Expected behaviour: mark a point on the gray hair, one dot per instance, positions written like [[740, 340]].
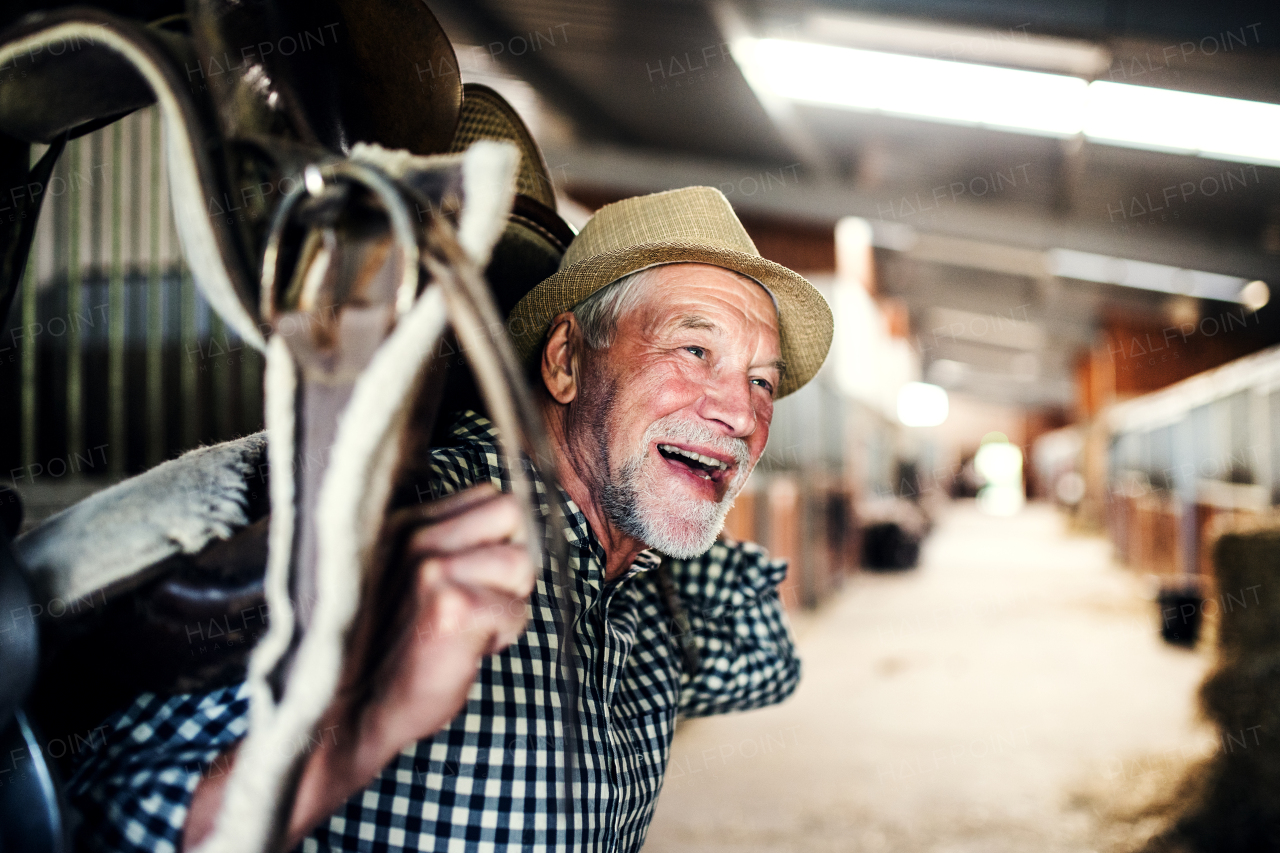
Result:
[[598, 314]]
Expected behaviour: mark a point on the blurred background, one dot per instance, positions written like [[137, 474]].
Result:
[[1049, 234]]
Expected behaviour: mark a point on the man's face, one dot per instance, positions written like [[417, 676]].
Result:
[[684, 398]]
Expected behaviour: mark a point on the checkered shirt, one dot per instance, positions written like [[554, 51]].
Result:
[[493, 778]]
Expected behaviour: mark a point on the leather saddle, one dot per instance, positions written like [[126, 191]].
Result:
[[239, 110], [317, 73]]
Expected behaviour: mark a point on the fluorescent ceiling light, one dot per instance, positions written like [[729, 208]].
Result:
[[1183, 122], [1068, 263], [1032, 102], [995, 47], [917, 87], [1147, 276]]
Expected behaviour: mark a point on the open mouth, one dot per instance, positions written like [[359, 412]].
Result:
[[706, 467]]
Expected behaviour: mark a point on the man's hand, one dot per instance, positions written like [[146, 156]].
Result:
[[474, 577]]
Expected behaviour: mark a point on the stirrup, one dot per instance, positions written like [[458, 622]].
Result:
[[344, 373], [295, 669]]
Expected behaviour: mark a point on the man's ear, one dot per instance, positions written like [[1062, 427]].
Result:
[[560, 358]]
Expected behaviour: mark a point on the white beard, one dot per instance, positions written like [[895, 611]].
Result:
[[641, 504]]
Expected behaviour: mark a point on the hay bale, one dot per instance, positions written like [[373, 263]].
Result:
[[1231, 802]]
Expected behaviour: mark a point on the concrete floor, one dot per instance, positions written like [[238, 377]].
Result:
[[1012, 694]]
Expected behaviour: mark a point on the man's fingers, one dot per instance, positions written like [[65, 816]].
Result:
[[503, 569], [450, 505], [482, 593], [494, 519], [486, 621]]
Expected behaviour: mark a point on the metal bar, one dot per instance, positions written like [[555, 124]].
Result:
[[1264, 474], [97, 162], [155, 317], [116, 310], [220, 370], [29, 375], [75, 299], [190, 350], [98, 274], [250, 389], [136, 140]]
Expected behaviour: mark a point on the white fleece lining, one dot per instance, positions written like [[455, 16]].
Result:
[[488, 186], [281, 384], [489, 189], [350, 504], [358, 461], [244, 817], [194, 228], [109, 540]]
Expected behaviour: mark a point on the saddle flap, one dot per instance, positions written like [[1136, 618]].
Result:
[[69, 85], [330, 72]]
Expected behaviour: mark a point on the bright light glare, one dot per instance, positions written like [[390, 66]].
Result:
[[1183, 122], [1000, 464], [1255, 295], [937, 89], [1011, 99], [1001, 500], [922, 405]]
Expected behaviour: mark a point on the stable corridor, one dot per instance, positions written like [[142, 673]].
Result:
[[1011, 694]]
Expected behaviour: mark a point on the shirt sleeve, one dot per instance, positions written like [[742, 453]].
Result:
[[132, 792], [747, 657]]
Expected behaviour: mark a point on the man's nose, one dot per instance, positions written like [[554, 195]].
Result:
[[727, 400]]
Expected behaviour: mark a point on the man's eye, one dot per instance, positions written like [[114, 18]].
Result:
[[763, 383], [697, 351]]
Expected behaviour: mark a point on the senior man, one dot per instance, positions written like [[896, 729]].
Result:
[[661, 347]]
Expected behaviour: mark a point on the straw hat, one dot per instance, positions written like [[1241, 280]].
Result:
[[536, 237], [485, 114], [694, 224]]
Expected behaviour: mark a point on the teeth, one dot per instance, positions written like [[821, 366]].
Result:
[[689, 454]]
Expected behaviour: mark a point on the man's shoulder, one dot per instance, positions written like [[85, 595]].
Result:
[[729, 568], [468, 426], [468, 453], [726, 551]]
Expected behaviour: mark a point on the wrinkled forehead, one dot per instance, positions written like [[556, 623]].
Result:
[[665, 272], [773, 300], [726, 304]]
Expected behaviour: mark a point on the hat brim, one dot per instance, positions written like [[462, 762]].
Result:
[[805, 322], [485, 114]]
